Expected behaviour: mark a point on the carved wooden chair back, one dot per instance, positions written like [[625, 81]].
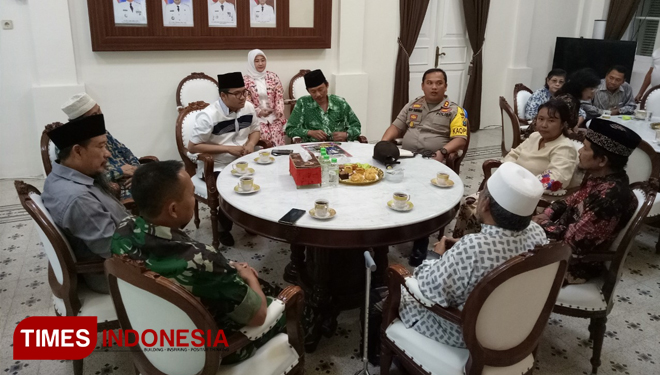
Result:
[[521, 95], [510, 127], [197, 87], [651, 100], [183, 131], [48, 149]]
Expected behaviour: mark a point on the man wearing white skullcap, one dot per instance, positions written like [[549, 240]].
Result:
[[505, 209], [122, 163]]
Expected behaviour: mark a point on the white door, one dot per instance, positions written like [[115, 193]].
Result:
[[443, 34]]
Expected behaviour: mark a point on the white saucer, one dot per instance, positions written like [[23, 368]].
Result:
[[409, 207], [331, 214], [258, 160], [434, 181], [238, 174], [255, 188]]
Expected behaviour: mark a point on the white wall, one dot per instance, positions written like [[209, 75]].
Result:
[[136, 90], [17, 70]]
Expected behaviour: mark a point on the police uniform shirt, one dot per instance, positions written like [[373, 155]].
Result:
[[263, 13], [130, 12], [178, 14], [222, 14], [430, 129], [216, 124]]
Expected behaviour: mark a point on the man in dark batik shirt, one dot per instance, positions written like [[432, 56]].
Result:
[[231, 291], [590, 219]]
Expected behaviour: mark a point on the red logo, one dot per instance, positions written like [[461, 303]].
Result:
[[55, 337], [69, 337]]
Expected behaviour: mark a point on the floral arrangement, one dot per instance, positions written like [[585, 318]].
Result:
[[549, 183]]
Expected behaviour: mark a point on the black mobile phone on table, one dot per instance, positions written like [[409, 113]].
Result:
[[281, 152], [292, 216]]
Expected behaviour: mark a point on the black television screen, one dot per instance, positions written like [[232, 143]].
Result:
[[572, 54]]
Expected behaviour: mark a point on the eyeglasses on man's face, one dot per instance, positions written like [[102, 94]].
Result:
[[239, 94]]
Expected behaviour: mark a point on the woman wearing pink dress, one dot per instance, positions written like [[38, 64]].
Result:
[[265, 91]]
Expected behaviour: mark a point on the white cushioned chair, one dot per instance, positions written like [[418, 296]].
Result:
[[147, 301], [196, 87], [510, 127], [502, 319], [595, 299], [521, 95], [651, 101], [297, 88], [70, 298], [200, 167]]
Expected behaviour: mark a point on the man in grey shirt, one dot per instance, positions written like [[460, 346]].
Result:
[[77, 195], [613, 94]]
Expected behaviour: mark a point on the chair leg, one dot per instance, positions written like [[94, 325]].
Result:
[[599, 335], [77, 367], [385, 359], [441, 232], [214, 227], [657, 246], [196, 214], [591, 330]]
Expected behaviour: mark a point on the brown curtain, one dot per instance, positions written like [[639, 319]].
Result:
[[476, 17], [618, 17], [411, 17]]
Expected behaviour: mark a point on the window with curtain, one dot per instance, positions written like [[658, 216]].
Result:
[[644, 27]]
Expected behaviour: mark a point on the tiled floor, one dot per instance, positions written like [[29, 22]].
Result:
[[632, 344]]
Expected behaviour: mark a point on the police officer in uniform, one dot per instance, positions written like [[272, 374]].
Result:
[[430, 124], [130, 11], [177, 14], [222, 13]]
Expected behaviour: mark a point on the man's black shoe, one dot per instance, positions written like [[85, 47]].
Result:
[[226, 238]]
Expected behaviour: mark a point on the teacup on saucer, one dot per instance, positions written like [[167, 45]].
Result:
[[238, 173], [449, 183], [255, 188], [259, 161], [330, 215], [409, 206]]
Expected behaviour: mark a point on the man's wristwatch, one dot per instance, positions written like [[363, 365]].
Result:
[[444, 151]]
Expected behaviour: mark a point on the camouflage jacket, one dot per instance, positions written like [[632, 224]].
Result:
[[197, 267]]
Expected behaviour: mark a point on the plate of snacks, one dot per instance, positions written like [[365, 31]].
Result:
[[359, 174]]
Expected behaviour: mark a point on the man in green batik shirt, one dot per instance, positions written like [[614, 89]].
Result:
[[232, 292], [322, 117]]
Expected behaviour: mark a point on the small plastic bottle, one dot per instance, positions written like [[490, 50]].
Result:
[[325, 169], [333, 174]]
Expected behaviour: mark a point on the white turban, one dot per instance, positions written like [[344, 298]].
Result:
[[78, 105], [515, 188]]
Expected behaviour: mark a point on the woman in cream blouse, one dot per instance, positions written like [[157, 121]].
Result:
[[547, 153]]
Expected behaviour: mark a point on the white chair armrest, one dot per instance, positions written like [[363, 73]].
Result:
[[273, 314], [413, 287]]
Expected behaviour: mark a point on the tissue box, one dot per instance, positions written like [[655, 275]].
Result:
[[304, 172]]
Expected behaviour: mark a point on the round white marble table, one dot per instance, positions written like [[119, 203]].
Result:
[[326, 258], [642, 128]]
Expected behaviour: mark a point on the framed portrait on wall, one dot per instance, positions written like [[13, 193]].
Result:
[[130, 12], [178, 13], [222, 13], [262, 13]]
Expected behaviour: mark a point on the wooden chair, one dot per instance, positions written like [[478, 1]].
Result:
[[206, 190], [147, 301], [595, 299], [196, 87], [502, 319], [297, 88], [651, 100], [70, 298], [49, 155], [521, 95], [510, 127]]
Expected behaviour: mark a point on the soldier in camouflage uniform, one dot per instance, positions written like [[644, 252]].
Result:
[[230, 291]]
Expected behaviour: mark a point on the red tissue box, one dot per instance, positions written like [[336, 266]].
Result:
[[304, 172]]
